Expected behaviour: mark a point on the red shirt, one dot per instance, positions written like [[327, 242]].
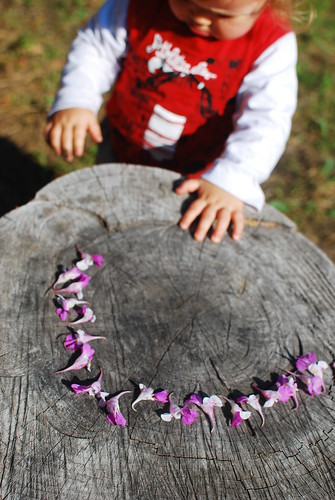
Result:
[[173, 102]]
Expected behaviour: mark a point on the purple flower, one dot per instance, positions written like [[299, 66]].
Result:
[[317, 368], [302, 363], [188, 416], [85, 315], [270, 396], [62, 313], [114, 415], [68, 275], [83, 360], [237, 412], [286, 389], [149, 394], [253, 401], [77, 339], [66, 305], [75, 287], [312, 373], [207, 405], [314, 384], [93, 389], [88, 260], [184, 413]]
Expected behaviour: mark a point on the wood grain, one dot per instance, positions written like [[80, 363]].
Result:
[[177, 314]]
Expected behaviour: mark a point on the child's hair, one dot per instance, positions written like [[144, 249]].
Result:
[[299, 13]]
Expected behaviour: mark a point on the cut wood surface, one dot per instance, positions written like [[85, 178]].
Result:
[[176, 314]]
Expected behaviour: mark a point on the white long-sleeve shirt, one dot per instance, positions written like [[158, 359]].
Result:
[[265, 102]]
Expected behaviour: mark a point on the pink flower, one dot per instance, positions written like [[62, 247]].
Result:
[[188, 416], [303, 362], [237, 412], [93, 389], [75, 287], [66, 305], [286, 389], [77, 339], [315, 385], [83, 360], [176, 412], [114, 415], [207, 405], [270, 396], [312, 373], [85, 315], [68, 275], [252, 401], [149, 394], [62, 313], [88, 260]]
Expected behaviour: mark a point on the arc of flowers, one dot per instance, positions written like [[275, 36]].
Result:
[[308, 371]]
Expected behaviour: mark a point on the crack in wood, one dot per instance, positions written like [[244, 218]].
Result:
[[219, 376], [167, 349], [180, 304], [101, 220], [268, 224], [192, 457]]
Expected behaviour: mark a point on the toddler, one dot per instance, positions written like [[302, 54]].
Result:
[[203, 87]]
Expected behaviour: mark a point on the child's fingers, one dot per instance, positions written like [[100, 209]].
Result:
[[79, 140], [223, 218], [54, 134], [207, 218], [47, 129], [67, 142], [79, 136], [193, 211], [188, 186], [237, 218], [95, 131]]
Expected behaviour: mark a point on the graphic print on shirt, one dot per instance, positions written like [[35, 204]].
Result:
[[166, 64]]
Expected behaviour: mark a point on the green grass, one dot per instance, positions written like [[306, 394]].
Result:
[[303, 184]]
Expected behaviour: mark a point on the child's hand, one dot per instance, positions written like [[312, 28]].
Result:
[[212, 203], [66, 131]]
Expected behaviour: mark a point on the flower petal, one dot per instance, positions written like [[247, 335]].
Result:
[[161, 396], [302, 363], [188, 416]]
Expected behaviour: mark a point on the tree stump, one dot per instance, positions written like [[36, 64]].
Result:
[[176, 314]]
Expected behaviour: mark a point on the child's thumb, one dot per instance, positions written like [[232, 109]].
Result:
[[188, 186], [95, 131]]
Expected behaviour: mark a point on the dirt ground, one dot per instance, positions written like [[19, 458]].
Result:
[[302, 186]]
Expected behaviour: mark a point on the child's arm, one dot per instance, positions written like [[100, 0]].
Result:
[[91, 69], [266, 102]]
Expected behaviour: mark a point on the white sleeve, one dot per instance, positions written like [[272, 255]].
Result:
[[265, 103], [93, 61]]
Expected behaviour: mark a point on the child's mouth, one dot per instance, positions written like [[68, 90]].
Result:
[[198, 30]]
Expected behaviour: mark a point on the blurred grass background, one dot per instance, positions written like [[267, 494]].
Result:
[[34, 39]]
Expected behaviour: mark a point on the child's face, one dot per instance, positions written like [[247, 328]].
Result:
[[221, 19]]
